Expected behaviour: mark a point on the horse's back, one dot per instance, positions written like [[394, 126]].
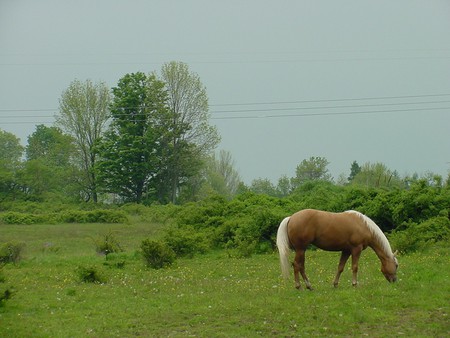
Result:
[[326, 230]]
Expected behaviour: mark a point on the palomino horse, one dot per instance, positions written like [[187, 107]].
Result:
[[350, 232]]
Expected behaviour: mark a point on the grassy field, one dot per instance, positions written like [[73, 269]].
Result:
[[211, 295]]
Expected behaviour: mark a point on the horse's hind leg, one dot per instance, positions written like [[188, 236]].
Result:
[[344, 257], [356, 253], [299, 266]]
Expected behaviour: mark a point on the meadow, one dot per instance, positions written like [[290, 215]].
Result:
[[210, 295]]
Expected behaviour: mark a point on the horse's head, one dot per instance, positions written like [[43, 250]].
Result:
[[389, 268]]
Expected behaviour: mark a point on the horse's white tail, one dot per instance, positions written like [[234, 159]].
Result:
[[283, 247]]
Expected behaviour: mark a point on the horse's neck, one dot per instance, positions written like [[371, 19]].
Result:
[[381, 251]]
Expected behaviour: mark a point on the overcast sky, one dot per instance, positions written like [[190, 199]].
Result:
[[346, 80]]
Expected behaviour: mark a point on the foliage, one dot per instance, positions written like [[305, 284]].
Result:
[[355, 169], [416, 236], [218, 177], [318, 194], [193, 138], [131, 148], [263, 186], [65, 216], [10, 148], [157, 254], [10, 154], [11, 252], [313, 169], [90, 274], [5, 291], [376, 175], [83, 114], [49, 168], [107, 244], [93, 216], [187, 241]]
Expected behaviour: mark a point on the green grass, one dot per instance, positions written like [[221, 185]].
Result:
[[210, 295]]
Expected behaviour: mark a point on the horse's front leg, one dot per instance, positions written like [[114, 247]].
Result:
[[344, 257], [356, 253], [299, 266]]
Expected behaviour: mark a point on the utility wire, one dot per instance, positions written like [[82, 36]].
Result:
[[241, 110], [261, 110], [278, 102], [425, 109], [332, 100]]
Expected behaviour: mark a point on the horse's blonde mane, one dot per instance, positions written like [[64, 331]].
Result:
[[378, 235]]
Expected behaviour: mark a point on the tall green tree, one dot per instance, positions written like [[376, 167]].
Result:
[[193, 137], [219, 176], [132, 151], [284, 187], [49, 165], [10, 164], [355, 169], [312, 169], [51, 145], [263, 186], [83, 114], [377, 175]]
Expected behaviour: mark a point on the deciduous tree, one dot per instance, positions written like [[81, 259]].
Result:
[[313, 169], [133, 149], [49, 165], [377, 175], [193, 136], [10, 160], [83, 114]]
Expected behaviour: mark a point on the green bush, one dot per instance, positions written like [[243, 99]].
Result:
[[187, 241], [5, 292], [12, 217], [157, 254], [67, 216], [107, 244], [11, 252], [90, 274], [413, 236], [116, 260], [93, 216]]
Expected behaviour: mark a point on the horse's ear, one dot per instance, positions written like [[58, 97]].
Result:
[[395, 253]]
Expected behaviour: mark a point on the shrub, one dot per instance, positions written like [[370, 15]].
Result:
[[5, 292], [89, 274], [11, 252], [187, 241], [13, 217], [415, 236], [93, 216], [116, 260], [157, 254], [107, 244]]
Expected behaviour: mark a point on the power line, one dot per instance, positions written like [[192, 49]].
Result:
[[285, 102], [327, 114], [259, 110], [425, 109], [331, 107], [244, 110], [333, 100]]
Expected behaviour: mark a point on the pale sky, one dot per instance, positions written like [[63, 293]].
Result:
[[376, 74]]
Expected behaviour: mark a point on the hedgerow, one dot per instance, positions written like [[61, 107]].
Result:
[[67, 216]]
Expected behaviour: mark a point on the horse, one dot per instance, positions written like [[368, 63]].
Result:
[[350, 232]]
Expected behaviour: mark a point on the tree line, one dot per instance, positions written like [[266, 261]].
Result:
[[148, 140]]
